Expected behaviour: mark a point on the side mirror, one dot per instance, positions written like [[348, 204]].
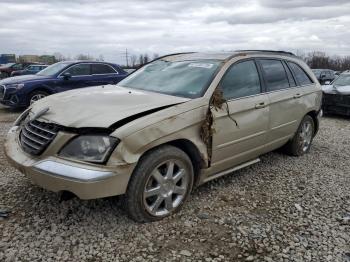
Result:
[[66, 76]]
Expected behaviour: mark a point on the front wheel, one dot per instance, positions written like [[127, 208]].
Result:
[[301, 142], [160, 184], [36, 95]]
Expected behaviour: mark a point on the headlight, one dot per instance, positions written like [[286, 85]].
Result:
[[22, 117], [90, 148], [16, 86]]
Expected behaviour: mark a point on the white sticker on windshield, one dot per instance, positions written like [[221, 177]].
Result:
[[202, 65]]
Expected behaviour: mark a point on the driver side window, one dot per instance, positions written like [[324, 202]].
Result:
[[241, 80], [79, 70]]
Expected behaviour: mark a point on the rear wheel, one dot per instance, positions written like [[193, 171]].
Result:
[[37, 95], [160, 184], [301, 142]]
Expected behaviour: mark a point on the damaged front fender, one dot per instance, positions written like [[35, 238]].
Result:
[[177, 123]]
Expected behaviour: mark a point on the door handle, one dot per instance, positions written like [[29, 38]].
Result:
[[260, 105], [298, 95]]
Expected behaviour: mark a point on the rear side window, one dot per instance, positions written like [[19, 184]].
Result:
[[79, 70], [300, 75], [100, 69], [290, 76], [241, 80], [274, 74]]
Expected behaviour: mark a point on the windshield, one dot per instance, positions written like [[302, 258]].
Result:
[[342, 80], [180, 78], [52, 69]]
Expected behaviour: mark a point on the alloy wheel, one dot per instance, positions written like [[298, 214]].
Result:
[[305, 134], [166, 188], [36, 97]]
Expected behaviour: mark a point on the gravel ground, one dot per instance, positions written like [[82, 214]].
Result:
[[8, 115], [281, 209]]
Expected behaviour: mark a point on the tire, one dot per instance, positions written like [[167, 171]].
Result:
[[154, 192], [35, 96], [301, 142]]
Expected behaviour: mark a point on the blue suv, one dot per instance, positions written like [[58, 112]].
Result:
[[21, 91]]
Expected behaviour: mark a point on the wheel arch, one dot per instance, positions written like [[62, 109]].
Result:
[[41, 88], [190, 149], [314, 115], [37, 89], [194, 154]]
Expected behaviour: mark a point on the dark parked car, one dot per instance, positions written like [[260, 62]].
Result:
[[7, 69], [336, 96], [324, 76], [30, 70], [21, 91]]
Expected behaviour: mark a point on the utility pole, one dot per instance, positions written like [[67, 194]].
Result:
[[126, 57]]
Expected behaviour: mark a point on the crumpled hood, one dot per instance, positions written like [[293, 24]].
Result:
[[330, 89], [22, 79], [100, 106]]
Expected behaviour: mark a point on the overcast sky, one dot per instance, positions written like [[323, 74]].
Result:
[[108, 27]]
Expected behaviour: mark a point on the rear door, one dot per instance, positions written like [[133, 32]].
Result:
[[284, 96], [306, 88], [104, 74], [242, 123]]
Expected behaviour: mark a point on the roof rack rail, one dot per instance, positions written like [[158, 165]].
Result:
[[161, 57], [171, 54], [268, 51]]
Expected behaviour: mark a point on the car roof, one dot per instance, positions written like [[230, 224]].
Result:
[[320, 69], [220, 55], [84, 61], [72, 62], [37, 65]]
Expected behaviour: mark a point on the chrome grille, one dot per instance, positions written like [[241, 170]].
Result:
[[36, 136], [2, 92]]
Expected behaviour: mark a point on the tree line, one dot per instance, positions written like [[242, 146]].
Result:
[[133, 60], [314, 59], [322, 60]]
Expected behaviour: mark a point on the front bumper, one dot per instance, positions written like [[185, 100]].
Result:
[[9, 97], [57, 174], [336, 104]]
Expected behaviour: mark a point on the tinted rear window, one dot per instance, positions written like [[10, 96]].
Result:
[[300, 75], [274, 74], [102, 69]]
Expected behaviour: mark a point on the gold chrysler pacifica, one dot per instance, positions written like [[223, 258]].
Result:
[[174, 124]]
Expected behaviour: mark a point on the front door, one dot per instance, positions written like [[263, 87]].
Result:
[[242, 123], [80, 76]]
